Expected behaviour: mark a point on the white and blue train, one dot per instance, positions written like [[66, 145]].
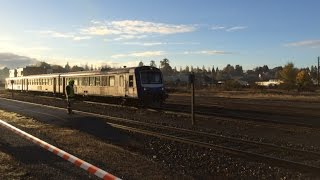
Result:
[[140, 84]]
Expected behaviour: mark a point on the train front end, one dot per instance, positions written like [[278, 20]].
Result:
[[150, 86]]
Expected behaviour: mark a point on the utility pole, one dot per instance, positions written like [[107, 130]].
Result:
[[318, 70], [12, 81], [191, 80]]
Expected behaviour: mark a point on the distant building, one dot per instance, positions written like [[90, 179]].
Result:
[[12, 73], [270, 83], [30, 70]]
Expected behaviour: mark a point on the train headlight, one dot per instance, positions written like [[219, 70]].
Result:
[[145, 89]]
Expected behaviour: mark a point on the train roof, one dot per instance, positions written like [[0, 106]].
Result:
[[86, 73]]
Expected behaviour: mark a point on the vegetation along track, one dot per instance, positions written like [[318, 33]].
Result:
[[307, 161]]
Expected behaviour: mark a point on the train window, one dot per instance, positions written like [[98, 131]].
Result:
[[85, 81], [92, 81], [75, 81], [103, 80], [98, 81], [130, 80], [151, 77], [111, 80]]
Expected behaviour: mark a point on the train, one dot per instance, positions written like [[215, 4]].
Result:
[[143, 85]]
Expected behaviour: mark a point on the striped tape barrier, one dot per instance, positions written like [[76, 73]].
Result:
[[73, 159]]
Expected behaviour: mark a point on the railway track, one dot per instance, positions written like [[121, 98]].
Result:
[[308, 161], [220, 111], [298, 159]]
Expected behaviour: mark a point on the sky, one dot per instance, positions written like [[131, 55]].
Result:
[[187, 32]]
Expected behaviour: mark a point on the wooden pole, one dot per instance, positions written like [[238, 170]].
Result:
[[192, 78], [12, 88], [318, 70]]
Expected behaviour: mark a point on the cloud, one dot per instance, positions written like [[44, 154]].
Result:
[[236, 28], [121, 30], [131, 27], [307, 43], [228, 29], [208, 52], [117, 64], [128, 37], [140, 54], [217, 27], [79, 38], [159, 43], [145, 43], [72, 36], [13, 61]]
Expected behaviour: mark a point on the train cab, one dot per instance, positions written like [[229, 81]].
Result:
[[150, 85]]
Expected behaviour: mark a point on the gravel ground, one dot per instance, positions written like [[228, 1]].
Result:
[[151, 157], [30, 161]]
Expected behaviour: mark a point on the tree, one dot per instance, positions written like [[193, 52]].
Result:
[[213, 73], [314, 72], [76, 68], [204, 69], [288, 75], [187, 70], [228, 71], [140, 64], [165, 67], [153, 63], [303, 80], [4, 73], [209, 70], [238, 70], [44, 65], [86, 67], [67, 67], [175, 69]]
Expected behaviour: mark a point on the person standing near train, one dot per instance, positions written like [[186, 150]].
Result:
[[70, 95]]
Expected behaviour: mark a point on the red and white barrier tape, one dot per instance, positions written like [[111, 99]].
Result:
[[74, 160]]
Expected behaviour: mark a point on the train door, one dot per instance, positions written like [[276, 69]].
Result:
[[121, 86], [130, 88], [22, 84], [54, 85], [27, 84], [63, 85]]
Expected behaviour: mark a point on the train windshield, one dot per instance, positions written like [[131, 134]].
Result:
[[151, 77]]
